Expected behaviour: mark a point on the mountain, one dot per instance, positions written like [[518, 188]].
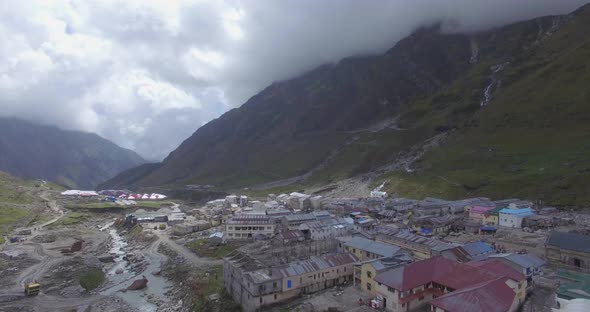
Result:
[[72, 158], [498, 113]]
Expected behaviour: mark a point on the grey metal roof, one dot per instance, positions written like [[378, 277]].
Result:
[[315, 264], [378, 248], [569, 241], [300, 217], [525, 261]]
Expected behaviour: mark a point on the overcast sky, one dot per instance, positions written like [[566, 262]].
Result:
[[146, 74]]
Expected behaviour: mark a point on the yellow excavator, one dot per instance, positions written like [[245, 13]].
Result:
[[32, 288]]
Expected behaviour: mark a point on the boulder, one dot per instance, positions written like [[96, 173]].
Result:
[[106, 259], [138, 284]]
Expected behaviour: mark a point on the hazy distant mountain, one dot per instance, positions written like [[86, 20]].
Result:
[[499, 113], [72, 158]]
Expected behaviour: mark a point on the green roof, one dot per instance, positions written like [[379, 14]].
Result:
[[573, 285]]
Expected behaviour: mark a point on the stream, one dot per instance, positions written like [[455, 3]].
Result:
[[157, 285]]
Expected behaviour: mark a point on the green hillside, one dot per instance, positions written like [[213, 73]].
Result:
[[414, 117]]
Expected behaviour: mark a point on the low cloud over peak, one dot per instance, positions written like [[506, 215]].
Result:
[[146, 74]]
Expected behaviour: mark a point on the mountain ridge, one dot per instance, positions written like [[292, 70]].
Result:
[[429, 83], [71, 158]]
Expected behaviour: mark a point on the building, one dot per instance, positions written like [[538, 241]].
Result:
[[568, 250], [512, 217], [365, 272], [319, 230], [435, 225], [573, 285], [469, 252], [253, 285], [246, 226], [492, 217], [293, 221], [421, 247], [415, 285], [366, 249], [216, 238], [289, 237], [527, 264], [477, 213], [298, 201], [187, 228], [490, 296]]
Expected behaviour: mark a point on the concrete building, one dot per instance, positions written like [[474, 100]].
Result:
[[246, 226], [254, 286], [420, 246], [365, 249], [469, 252], [187, 228], [293, 221], [320, 230], [512, 217], [493, 296], [415, 285], [527, 264], [568, 250], [492, 217], [299, 201], [478, 213], [365, 272]]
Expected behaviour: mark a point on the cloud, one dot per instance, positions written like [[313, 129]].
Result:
[[146, 74]]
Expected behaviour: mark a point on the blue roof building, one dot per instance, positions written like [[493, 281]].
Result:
[[513, 217]]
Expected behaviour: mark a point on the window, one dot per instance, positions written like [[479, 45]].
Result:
[[421, 298], [519, 285], [275, 296], [274, 285], [344, 269], [368, 254], [288, 283], [368, 286], [353, 250], [369, 274], [260, 300], [231, 228]]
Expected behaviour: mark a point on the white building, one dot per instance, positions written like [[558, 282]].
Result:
[[513, 217], [246, 226]]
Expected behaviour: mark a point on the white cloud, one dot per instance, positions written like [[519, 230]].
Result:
[[147, 73]]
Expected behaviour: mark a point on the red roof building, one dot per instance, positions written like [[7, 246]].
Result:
[[490, 296], [406, 288]]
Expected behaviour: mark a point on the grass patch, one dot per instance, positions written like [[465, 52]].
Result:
[[92, 279], [71, 218], [9, 217], [202, 248]]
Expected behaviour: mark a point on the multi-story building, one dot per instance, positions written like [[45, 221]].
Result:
[[416, 285], [246, 226], [512, 217], [568, 250], [527, 264], [365, 272], [366, 249], [293, 221], [253, 286], [420, 246]]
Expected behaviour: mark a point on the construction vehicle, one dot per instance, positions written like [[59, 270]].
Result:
[[162, 226], [32, 288]]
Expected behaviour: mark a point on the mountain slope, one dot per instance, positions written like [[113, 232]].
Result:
[[72, 158], [506, 109]]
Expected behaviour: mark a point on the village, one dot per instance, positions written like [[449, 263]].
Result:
[[306, 252]]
